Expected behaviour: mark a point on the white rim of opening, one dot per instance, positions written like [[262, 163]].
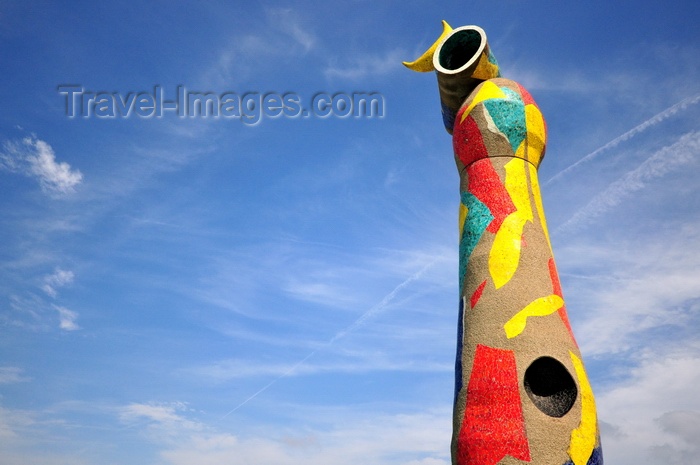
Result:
[[477, 54]]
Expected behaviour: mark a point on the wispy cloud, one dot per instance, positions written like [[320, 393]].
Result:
[[158, 413], [418, 438], [314, 292], [284, 34], [346, 437], [26, 311], [351, 363], [10, 375], [363, 65], [66, 318], [38, 436], [36, 312], [56, 280], [290, 23], [35, 158], [12, 424]]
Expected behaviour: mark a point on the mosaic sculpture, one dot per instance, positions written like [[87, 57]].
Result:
[[521, 390]]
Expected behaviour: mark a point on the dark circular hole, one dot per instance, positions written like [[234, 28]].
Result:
[[459, 49], [550, 386]]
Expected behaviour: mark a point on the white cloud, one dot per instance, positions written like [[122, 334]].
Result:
[[299, 287], [654, 415], [35, 158], [10, 375], [67, 318], [58, 279], [428, 461], [158, 413], [31, 437], [682, 424], [631, 286], [348, 438], [163, 423], [12, 422]]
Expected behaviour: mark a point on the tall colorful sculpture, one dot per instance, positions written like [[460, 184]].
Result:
[[521, 390]]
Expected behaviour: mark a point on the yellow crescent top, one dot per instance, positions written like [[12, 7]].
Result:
[[424, 63]]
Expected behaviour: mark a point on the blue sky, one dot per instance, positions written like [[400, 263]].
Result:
[[201, 290]]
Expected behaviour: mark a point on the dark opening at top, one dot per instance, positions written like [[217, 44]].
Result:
[[460, 48]]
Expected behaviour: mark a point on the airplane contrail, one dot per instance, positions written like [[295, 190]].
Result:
[[675, 156], [344, 332], [656, 119], [268, 385], [383, 303]]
